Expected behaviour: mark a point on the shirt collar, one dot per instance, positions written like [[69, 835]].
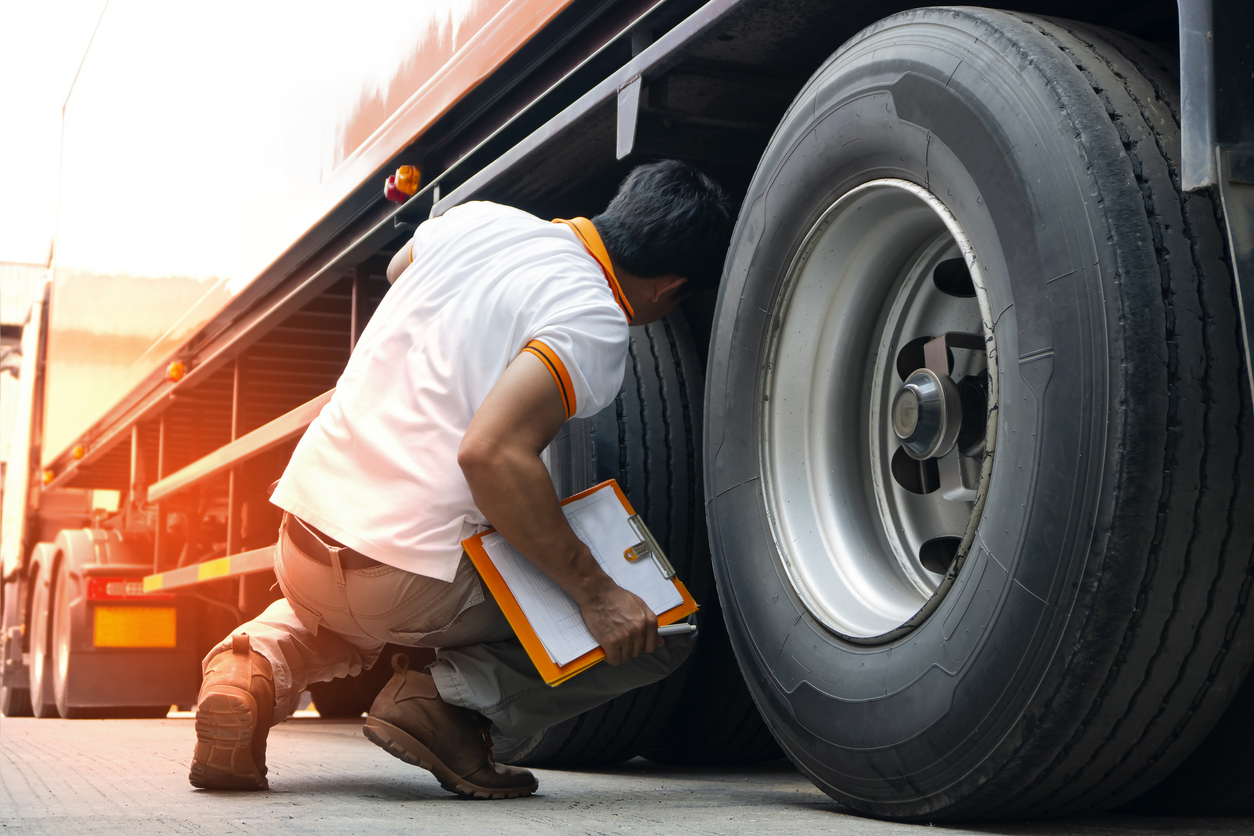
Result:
[[591, 239]]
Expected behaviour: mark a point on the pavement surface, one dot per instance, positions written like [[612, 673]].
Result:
[[130, 777]]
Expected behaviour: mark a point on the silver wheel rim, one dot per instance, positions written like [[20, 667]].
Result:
[[869, 556]]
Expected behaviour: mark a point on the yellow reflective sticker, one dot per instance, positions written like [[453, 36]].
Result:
[[214, 569], [136, 627]]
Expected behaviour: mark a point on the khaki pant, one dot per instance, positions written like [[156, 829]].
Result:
[[334, 622]]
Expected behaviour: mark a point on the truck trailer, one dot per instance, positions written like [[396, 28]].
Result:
[[959, 460]]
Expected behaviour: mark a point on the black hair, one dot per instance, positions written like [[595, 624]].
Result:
[[668, 218]]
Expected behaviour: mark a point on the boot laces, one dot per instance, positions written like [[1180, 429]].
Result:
[[485, 728]]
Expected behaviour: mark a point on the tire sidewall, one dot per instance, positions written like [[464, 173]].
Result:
[[909, 728]]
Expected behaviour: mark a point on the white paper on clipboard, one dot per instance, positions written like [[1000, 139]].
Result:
[[600, 521]]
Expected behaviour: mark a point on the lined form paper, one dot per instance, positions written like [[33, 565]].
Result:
[[600, 521]]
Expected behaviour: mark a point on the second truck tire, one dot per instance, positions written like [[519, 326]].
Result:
[[644, 441], [1050, 617], [649, 441]]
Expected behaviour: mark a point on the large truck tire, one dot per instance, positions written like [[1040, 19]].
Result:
[[1052, 616], [647, 441], [1218, 778]]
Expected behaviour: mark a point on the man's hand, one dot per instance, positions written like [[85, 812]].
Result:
[[500, 457], [621, 623]]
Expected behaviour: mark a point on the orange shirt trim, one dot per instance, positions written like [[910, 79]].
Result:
[[588, 236], [558, 369]]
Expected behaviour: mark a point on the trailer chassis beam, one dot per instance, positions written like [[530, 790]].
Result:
[[244, 563], [656, 59], [283, 428]]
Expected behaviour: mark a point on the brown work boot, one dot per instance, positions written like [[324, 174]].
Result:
[[233, 718], [412, 723]]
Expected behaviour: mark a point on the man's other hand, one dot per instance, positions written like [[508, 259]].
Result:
[[621, 623]]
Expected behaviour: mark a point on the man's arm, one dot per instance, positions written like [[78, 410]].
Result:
[[400, 261], [500, 457]]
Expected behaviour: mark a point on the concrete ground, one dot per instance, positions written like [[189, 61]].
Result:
[[129, 777]]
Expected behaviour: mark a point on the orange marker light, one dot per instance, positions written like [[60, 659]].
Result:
[[402, 185], [79, 451], [48, 476], [175, 371], [407, 179]]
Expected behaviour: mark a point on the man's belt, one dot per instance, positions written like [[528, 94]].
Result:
[[314, 543]]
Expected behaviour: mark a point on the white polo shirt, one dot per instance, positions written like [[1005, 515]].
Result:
[[377, 469]]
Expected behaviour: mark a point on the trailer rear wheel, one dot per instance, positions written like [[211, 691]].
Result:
[[14, 699], [647, 441], [351, 696], [60, 638], [15, 702], [1052, 622], [43, 699], [348, 696]]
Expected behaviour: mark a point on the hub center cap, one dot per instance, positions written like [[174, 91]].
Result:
[[927, 414], [906, 412]]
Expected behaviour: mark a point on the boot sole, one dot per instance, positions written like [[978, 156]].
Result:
[[226, 722], [399, 744]]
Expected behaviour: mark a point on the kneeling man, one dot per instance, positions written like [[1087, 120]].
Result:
[[499, 327]]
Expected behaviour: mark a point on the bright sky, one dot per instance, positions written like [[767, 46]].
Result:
[[196, 133], [41, 45]]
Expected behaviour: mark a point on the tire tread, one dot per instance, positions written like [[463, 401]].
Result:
[[1096, 765]]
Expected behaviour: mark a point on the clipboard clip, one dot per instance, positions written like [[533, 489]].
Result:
[[647, 547]]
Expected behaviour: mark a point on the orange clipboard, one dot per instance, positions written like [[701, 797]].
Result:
[[552, 673]]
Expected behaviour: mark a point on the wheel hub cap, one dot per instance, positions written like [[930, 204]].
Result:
[[927, 414]]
